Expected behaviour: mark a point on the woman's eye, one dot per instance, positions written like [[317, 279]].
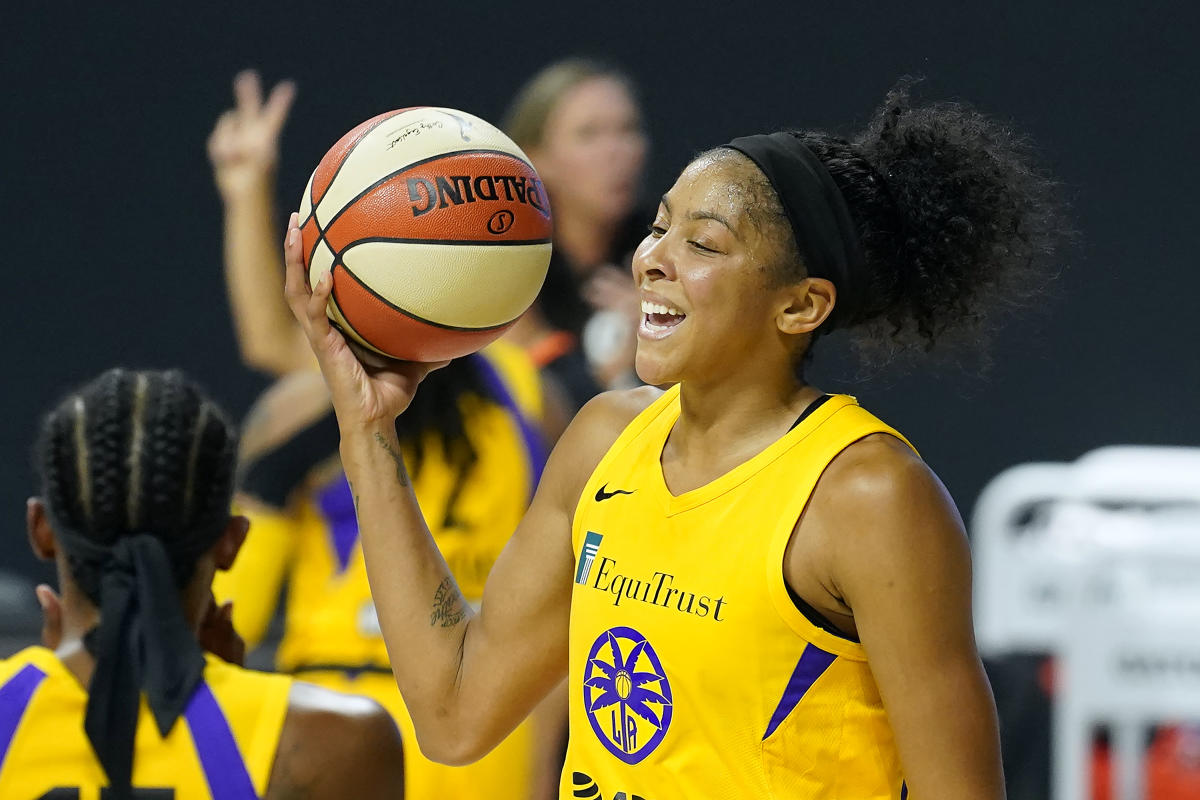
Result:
[[657, 230], [701, 247]]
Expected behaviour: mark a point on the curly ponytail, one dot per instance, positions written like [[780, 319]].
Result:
[[956, 217], [956, 220]]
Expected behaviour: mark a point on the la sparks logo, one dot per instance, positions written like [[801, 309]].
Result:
[[626, 694]]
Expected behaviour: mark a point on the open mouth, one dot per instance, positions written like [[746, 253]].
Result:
[[660, 318]]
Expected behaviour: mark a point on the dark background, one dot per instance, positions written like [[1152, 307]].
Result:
[[113, 226]]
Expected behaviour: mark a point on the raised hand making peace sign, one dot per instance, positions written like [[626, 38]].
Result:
[[244, 144]]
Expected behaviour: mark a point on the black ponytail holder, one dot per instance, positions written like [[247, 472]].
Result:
[[143, 644], [821, 222]]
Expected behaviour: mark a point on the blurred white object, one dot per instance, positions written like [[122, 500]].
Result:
[[1098, 563], [608, 343], [1037, 525]]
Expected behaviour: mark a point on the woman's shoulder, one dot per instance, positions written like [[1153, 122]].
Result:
[[594, 430], [879, 496], [612, 411], [876, 468]]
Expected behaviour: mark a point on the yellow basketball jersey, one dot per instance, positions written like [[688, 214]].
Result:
[[692, 671], [331, 635], [222, 747]]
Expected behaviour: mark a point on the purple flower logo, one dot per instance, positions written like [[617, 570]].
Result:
[[626, 694]]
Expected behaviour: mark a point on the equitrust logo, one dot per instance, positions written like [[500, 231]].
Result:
[[591, 546]]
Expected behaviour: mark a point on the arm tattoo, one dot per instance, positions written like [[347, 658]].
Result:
[[401, 473], [448, 605]]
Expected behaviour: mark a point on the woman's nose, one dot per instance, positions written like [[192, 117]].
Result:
[[652, 260]]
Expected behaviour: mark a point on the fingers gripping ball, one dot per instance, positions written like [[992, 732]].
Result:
[[436, 229]]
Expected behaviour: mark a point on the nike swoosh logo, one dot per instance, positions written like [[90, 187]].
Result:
[[601, 494]]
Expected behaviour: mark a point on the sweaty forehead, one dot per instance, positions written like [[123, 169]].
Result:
[[711, 184], [726, 182]]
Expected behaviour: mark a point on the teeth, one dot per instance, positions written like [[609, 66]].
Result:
[[658, 308]]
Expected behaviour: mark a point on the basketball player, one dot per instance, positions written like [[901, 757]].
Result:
[[757, 589], [473, 440], [136, 473]]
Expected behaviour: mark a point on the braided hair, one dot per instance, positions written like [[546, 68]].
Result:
[[136, 471], [956, 219]]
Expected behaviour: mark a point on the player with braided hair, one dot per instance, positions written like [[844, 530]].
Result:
[[756, 589], [136, 473]]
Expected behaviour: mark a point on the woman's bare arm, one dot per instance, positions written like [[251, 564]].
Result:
[[469, 678], [901, 562], [244, 150]]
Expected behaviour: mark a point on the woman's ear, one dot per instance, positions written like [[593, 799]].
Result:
[[809, 303], [41, 535]]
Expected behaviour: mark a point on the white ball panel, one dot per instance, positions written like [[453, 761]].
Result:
[[464, 286], [322, 262], [306, 199], [404, 139]]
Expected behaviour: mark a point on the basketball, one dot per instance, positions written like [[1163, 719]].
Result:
[[436, 228]]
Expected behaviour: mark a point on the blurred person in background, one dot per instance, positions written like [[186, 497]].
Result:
[[135, 481], [477, 445], [579, 122]]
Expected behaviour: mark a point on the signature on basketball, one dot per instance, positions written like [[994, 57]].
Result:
[[413, 129]]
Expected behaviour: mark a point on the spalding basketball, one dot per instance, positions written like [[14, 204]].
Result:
[[437, 230]]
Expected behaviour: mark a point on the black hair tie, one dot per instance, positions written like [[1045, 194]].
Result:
[[142, 644], [821, 222]]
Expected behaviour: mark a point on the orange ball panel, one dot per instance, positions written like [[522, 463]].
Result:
[[485, 197]]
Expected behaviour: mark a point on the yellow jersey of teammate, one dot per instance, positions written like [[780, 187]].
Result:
[[223, 746], [304, 529], [673, 594]]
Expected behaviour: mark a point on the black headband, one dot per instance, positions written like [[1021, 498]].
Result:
[[820, 219], [142, 644]]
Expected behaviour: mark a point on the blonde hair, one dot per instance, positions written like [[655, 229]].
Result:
[[525, 120]]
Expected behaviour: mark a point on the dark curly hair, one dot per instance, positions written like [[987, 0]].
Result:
[[957, 221]]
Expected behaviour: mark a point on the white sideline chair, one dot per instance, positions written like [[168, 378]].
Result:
[[1098, 563], [1133, 660]]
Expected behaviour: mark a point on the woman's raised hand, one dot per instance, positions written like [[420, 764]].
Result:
[[244, 144], [365, 392]]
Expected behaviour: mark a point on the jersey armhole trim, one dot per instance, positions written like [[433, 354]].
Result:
[[777, 587], [216, 746], [16, 695]]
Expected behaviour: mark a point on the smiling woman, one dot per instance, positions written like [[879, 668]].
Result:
[[838, 659]]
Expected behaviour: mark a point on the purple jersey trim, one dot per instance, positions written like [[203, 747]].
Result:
[[812, 665], [336, 502], [535, 446], [220, 759], [14, 700]]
